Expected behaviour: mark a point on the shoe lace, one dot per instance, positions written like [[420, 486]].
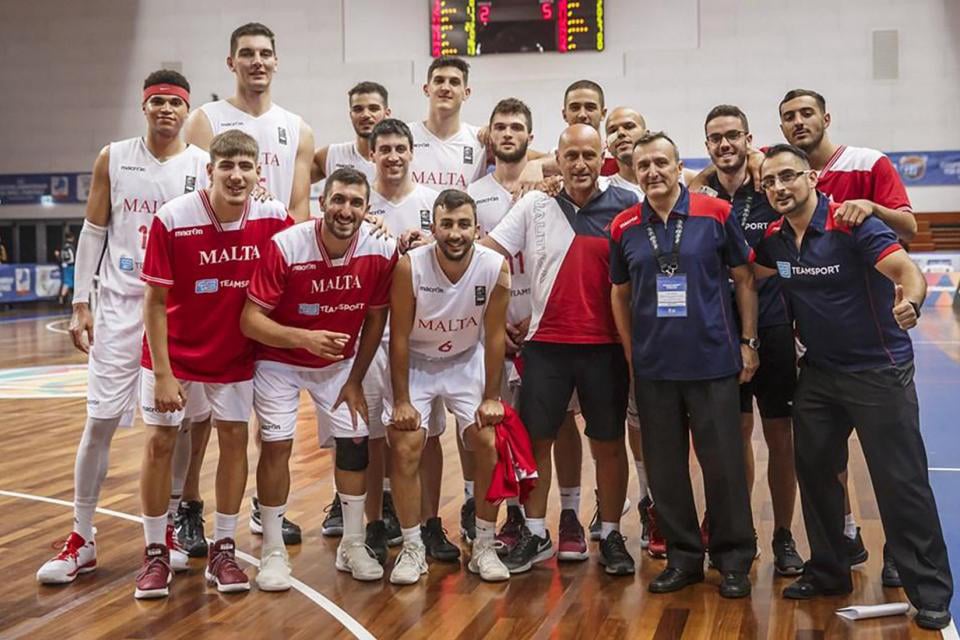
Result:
[[156, 567], [333, 509], [224, 561], [68, 547], [410, 554]]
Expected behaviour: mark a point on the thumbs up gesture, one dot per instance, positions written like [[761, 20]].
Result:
[[903, 310]]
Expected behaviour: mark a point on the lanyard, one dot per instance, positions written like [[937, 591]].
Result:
[[745, 213], [667, 267]]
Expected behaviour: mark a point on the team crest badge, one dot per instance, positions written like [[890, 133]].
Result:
[[468, 155], [282, 135], [480, 294], [189, 184], [783, 268]]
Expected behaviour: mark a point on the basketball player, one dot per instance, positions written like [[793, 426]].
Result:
[[623, 128], [316, 286], [286, 148], [445, 296], [368, 106], [202, 252], [131, 179]]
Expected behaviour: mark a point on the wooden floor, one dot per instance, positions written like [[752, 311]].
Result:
[[567, 601]]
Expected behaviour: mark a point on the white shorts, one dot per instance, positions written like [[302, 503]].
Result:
[[113, 370], [276, 398], [229, 401], [455, 384]]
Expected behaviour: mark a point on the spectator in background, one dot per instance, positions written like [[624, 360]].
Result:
[[67, 256], [3, 253]]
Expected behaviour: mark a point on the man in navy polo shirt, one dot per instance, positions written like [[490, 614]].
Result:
[[572, 342], [669, 263], [728, 141], [842, 283]]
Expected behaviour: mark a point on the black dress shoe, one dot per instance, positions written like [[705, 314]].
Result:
[[673, 579], [890, 576], [735, 584], [805, 589], [856, 551], [934, 619]]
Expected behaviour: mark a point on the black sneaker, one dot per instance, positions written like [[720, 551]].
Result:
[[644, 509], [468, 520], [290, 531], [332, 525], [188, 525], [391, 521], [528, 550], [377, 540], [786, 560], [856, 552], [438, 545], [614, 555]]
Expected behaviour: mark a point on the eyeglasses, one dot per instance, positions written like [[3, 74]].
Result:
[[730, 136], [785, 177]]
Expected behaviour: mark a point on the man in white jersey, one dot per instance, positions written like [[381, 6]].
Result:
[[623, 128], [131, 179], [316, 286], [368, 106], [202, 252], [445, 296], [286, 156]]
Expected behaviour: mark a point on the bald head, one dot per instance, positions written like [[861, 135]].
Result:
[[623, 128], [580, 155]]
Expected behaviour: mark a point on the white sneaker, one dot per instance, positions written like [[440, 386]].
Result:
[[485, 561], [179, 560], [77, 556], [411, 563], [359, 559], [274, 574]]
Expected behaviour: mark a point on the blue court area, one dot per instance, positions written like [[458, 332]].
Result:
[[937, 349]]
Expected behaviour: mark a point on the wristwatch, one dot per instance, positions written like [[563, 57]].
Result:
[[753, 343]]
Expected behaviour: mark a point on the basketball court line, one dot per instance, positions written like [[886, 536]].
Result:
[[49, 327], [943, 469], [344, 618]]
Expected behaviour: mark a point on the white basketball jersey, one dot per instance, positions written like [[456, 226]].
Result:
[[277, 132], [447, 164], [345, 155], [493, 202], [619, 181], [449, 317], [415, 211], [139, 185]]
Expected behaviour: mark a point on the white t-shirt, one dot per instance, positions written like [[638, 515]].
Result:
[[342, 155], [447, 164], [415, 211]]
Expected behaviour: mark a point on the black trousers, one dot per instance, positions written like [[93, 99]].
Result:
[[714, 409], [882, 403]]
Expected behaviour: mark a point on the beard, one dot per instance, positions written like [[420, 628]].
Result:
[[515, 156], [813, 143], [453, 257], [741, 160]]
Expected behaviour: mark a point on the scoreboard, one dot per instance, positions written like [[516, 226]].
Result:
[[481, 27]]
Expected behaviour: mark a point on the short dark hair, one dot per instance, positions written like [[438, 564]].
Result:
[[583, 84], [390, 126], [730, 110], [166, 76], [651, 136], [512, 107], [369, 87], [234, 142], [449, 61], [251, 29], [799, 93], [783, 147], [347, 175], [450, 199]]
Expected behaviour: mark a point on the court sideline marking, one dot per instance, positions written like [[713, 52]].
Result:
[[49, 327], [344, 618]]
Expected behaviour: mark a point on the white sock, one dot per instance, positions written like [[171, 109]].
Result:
[[386, 485], [155, 529], [172, 507], [411, 535], [642, 482], [467, 489], [606, 528], [271, 519], [352, 514], [224, 526], [849, 526], [537, 526], [486, 530], [570, 498], [89, 470]]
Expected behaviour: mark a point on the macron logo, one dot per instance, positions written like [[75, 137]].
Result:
[[180, 233], [131, 167]]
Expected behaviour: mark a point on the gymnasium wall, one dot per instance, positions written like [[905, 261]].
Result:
[[73, 70]]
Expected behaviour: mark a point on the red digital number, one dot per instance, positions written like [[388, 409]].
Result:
[[484, 14], [546, 10]]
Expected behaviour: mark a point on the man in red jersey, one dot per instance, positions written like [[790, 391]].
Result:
[[202, 251]]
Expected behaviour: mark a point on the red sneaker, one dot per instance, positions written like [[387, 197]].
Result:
[[179, 560], [223, 570], [154, 578], [573, 545], [76, 556], [658, 544]]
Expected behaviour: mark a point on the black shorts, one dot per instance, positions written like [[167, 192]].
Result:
[[776, 379], [551, 372]]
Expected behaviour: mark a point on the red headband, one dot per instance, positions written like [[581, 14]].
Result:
[[167, 89]]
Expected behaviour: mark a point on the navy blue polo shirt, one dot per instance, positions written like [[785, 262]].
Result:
[[841, 303], [754, 214], [706, 343]]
